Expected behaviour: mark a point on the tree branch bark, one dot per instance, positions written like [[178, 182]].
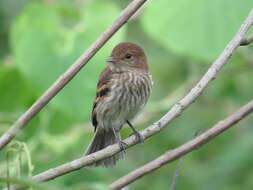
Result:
[[188, 147], [247, 40], [70, 73]]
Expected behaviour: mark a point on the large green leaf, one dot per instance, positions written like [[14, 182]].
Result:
[[44, 48], [15, 93], [199, 28]]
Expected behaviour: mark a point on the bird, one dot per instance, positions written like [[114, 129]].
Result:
[[123, 88]]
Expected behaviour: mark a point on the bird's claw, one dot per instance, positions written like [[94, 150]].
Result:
[[122, 146]]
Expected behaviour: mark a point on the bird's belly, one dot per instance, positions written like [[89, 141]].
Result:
[[124, 102], [115, 112]]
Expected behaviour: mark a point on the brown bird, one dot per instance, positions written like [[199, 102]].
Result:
[[122, 91]]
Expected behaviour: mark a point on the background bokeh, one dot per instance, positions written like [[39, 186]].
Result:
[[40, 39]]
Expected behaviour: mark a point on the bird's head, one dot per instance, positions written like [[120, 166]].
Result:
[[127, 56]]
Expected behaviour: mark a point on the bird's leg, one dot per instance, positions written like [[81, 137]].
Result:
[[121, 144], [136, 133]]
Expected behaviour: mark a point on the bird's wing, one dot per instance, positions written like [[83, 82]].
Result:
[[102, 91]]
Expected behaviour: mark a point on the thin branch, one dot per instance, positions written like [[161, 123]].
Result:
[[185, 148], [179, 165], [70, 73], [247, 40], [176, 174]]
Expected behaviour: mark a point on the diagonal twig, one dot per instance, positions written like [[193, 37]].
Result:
[[178, 167], [247, 40], [176, 174], [70, 73], [188, 147]]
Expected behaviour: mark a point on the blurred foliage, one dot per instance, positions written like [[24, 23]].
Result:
[[206, 24], [39, 40]]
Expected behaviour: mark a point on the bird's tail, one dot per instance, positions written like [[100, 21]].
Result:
[[102, 139]]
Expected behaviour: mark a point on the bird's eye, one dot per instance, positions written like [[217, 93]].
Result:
[[128, 56]]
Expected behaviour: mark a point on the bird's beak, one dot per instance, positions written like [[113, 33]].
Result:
[[111, 60]]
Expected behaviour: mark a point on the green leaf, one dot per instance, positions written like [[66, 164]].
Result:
[[15, 93], [199, 28], [44, 48], [24, 182]]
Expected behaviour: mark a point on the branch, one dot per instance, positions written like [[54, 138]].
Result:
[[188, 147], [176, 174], [70, 73], [247, 40]]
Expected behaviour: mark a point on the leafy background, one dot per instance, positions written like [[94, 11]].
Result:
[[39, 40]]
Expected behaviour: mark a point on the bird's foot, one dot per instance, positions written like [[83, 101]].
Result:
[[122, 146]]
